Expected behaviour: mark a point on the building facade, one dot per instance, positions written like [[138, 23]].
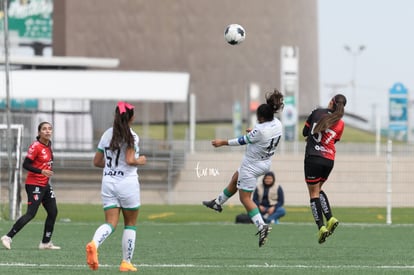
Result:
[[187, 36]]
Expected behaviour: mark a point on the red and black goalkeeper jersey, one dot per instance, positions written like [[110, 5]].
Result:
[[321, 144], [42, 157]]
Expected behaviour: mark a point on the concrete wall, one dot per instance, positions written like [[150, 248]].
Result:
[[357, 180], [354, 181], [187, 35]]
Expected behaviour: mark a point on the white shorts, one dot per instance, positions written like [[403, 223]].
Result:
[[248, 175], [121, 194]]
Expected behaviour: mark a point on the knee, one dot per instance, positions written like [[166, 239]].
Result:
[[29, 215]]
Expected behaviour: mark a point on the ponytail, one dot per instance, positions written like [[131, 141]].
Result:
[[275, 100], [121, 130], [338, 110]]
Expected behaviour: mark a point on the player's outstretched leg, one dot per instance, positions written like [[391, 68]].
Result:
[[213, 205]]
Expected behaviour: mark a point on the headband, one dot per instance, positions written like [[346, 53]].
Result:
[[123, 106]]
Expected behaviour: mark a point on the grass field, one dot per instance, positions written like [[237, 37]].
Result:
[[195, 240], [206, 131]]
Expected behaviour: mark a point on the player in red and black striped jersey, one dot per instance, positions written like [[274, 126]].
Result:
[[323, 128], [38, 163]]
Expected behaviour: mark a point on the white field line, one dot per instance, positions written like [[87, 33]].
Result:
[[267, 266], [232, 224]]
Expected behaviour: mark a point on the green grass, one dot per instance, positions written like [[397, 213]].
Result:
[[197, 213], [355, 135], [206, 131], [195, 240]]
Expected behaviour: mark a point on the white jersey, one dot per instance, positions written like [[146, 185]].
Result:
[[116, 167], [263, 140], [261, 146]]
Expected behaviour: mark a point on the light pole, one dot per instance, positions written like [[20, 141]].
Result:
[[354, 54]]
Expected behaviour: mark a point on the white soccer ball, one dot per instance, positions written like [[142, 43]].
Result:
[[234, 34]]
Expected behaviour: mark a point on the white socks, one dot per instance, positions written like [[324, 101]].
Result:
[[102, 233], [128, 242], [258, 221], [222, 198], [128, 239]]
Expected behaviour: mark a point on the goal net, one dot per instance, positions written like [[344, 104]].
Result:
[[11, 169]]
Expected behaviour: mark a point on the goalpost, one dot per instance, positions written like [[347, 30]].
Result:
[[12, 174]]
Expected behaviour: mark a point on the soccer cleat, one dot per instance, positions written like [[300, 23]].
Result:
[[331, 225], [323, 234], [213, 205], [125, 266], [92, 255], [6, 241], [263, 234], [49, 245]]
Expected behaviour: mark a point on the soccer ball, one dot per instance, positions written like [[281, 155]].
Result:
[[234, 34]]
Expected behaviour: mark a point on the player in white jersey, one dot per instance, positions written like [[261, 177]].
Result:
[[261, 142], [119, 179], [118, 154]]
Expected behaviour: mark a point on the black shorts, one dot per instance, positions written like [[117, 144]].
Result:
[[317, 169], [40, 194]]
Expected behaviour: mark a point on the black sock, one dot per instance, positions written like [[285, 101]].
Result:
[[316, 208], [326, 208]]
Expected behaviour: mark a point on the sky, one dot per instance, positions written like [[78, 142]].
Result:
[[385, 29]]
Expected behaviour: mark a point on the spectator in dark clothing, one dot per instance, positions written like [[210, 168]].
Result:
[[270, 199]]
